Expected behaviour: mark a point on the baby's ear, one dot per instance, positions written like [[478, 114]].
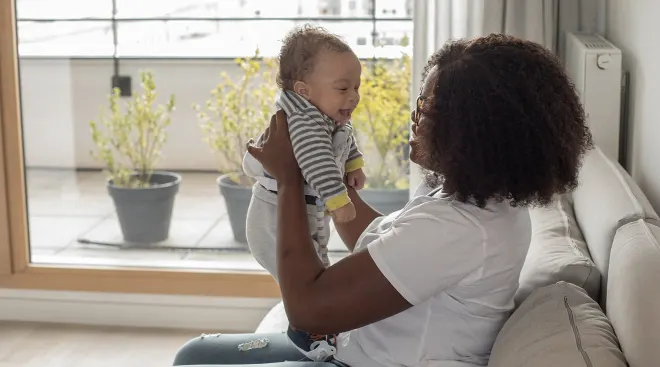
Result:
[[302, 88]]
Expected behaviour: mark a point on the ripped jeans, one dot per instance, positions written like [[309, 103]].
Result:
[[245, 349]]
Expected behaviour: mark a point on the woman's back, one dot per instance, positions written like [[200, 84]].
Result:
[[460, 272]]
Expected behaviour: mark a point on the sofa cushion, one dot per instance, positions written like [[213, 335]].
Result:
[[557, 252], [558, 325], [605, 199], [633, 303]]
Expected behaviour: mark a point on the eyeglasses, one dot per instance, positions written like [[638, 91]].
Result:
[[418, 107]]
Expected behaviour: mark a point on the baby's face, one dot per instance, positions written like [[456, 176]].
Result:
[[333, 86]]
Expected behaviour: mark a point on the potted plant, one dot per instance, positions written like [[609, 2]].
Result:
[[237, 111], [381, 121], [129, 141]]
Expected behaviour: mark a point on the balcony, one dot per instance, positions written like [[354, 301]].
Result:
[[72, 221], [67, 65]]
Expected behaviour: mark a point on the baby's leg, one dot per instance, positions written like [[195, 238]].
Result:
[[261, 229], [321, 236], [261, 232]]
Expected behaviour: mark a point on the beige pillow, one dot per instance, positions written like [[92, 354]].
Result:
[[557, 252], [606, 198], [633, 292], [275, 321], [558, 325]]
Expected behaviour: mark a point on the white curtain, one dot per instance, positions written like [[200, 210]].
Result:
[[541, 21]]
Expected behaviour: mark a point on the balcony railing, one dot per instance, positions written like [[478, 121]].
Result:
[[198, 29]]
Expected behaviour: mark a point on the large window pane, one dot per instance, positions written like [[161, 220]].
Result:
[[60, 38], [237, 38], [72, 216], [63, 9], [179, 8], [73, 219], [259, 8], [199, 38]]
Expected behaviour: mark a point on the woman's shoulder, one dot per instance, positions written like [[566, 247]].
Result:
[[446, 213], [431, 215]]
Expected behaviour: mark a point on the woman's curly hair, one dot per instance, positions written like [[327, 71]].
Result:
[[505, 122]]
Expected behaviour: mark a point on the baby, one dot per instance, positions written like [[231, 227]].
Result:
[[319, 77]]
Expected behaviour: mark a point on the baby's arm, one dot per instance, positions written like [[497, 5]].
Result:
[[355, 160], [312, 146]]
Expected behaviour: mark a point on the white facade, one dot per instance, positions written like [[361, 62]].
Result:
[[201, 38]]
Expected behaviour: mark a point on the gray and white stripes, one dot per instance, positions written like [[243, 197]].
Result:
[[311, 137]]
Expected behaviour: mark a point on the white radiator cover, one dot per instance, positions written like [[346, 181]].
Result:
[[594, 65]]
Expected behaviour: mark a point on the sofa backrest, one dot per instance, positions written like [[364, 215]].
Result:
[[633, 301], [606, 199]]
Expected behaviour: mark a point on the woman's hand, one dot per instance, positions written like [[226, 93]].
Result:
[[276, 153], [344, 214]]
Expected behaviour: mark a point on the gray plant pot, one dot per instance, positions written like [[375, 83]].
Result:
[[237, 200], [385, 201], [145, 214]]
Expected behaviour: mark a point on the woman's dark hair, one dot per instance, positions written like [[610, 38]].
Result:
[[505, 122]]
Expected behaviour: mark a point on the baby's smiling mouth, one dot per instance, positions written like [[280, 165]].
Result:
[[345, 113]]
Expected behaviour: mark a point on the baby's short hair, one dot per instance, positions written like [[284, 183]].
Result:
[[299, 50]]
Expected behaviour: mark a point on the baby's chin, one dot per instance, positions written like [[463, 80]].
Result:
[[342, 117]]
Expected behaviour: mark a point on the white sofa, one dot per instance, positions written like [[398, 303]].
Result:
[[600, 243]]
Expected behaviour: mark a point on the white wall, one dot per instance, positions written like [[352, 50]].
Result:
[[209, 314], [633, 26], [60, 96]]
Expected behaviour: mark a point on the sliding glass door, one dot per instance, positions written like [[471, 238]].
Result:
[[122, 143]]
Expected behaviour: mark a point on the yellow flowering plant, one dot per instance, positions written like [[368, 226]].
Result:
[[381, 121], [129, 140], [237, 111]]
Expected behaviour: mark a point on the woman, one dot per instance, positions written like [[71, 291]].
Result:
[[499, 127]]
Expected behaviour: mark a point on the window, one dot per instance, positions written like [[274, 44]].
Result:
[[198, 28], [66, 38], [65, 214]]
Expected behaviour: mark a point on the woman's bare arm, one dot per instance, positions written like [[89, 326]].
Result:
[[364, 214], [347, 295]]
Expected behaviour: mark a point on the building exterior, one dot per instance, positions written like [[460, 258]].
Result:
[[250, 24]]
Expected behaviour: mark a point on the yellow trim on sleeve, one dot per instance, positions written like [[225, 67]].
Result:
[[354, 164], [338, 201]]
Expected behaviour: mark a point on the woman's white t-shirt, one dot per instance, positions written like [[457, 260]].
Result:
[[458, 265]]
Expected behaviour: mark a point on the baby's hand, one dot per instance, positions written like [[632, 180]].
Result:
[[356, 179], [344, 214]]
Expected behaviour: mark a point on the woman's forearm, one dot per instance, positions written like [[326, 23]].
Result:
[[298, 263], [312, 293], [364, 214]]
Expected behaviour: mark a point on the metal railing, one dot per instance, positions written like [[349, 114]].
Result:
[[173, 16]]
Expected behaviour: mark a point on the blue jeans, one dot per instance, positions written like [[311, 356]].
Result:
[[223, 349]]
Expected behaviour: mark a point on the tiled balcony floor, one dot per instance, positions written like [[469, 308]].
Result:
[[67, 205]]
